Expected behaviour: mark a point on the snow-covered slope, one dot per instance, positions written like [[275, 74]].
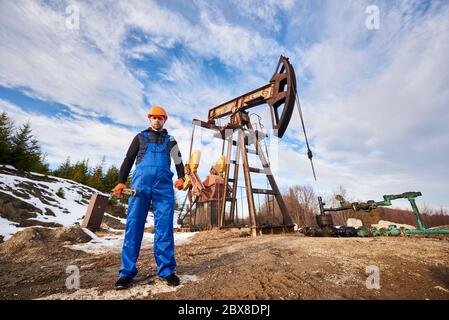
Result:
[[29, 199]]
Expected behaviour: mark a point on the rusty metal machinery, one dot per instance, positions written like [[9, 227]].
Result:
[[280, 95]]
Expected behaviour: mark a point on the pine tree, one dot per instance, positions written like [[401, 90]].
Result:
[[37, 159], [6, 132], [81, 171], [111, 178], [25, 151], [65, 170], [44, 166], [95, 179], [19, 147]]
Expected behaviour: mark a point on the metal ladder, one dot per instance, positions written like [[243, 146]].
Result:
[[242, 144]]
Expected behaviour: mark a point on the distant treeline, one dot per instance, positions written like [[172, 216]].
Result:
[[98, 177], [20, 148]]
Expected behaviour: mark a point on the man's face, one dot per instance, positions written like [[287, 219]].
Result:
[[157, 122]]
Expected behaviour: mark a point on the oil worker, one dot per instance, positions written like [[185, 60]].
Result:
[[152, 149]]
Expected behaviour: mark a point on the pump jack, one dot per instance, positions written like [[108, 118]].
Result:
[[280, 95]]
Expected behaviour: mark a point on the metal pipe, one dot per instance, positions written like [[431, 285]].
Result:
[[418, 217], [426, 231]]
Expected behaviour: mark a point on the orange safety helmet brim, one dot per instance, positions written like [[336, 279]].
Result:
[[157, 111]]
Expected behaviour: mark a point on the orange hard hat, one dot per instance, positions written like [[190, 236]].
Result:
[[157, 111]]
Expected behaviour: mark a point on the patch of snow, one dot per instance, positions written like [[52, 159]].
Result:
[[91, 234], [121, 220], [182, 238], [8, 228], [114, 243], [108, 228], [9, 167]]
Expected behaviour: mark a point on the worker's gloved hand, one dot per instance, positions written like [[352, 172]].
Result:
[[118, 189], [179, 184]]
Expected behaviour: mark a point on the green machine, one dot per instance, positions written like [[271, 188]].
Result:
[[411, 196], [370, 205]]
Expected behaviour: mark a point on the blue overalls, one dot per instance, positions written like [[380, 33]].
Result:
[[152, 179]]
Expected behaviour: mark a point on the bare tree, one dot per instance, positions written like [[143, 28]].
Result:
[[301, 202]]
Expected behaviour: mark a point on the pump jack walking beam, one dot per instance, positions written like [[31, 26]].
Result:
[[280, 91]]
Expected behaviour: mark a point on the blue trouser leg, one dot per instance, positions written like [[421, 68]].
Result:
[[164, 243], [135, 224]]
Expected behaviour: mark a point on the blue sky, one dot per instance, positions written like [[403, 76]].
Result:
[[375, 101]]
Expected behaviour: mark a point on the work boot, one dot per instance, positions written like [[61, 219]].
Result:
[[123, 283], [172, 280]]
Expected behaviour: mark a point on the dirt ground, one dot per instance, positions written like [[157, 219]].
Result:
[[230, 265]]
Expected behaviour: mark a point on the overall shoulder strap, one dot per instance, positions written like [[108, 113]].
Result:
[[143, 141]]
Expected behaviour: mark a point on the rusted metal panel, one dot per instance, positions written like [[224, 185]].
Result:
[[95, 212], [214, 188], [324, 220], [206, 216]]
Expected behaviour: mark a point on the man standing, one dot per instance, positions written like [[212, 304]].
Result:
[[152, 149]]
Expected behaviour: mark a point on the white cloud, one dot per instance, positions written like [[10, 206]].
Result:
[[85, 69], [58, 64], [265, 13], [80, 138], [376, 105], [212, 36], [138, 52], [187, 90]]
